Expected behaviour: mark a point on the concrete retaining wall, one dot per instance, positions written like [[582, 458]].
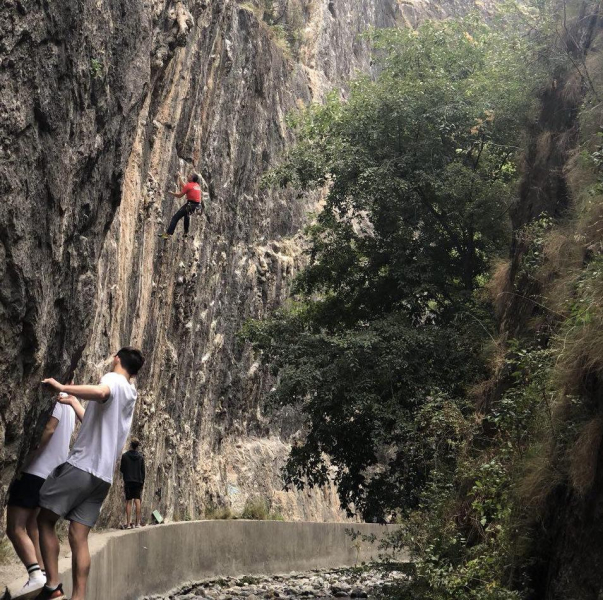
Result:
[[152, 560]]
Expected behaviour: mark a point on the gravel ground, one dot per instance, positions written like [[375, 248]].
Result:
[[340, 583]]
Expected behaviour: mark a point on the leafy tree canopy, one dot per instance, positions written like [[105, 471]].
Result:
[[418, 165]]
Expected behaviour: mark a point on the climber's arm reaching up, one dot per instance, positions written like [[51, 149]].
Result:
[[181, 185]]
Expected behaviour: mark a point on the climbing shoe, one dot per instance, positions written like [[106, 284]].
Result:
[[49, 594], [164, 236]]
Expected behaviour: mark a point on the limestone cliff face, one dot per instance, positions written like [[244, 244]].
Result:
[[219, 106], [101, 104]]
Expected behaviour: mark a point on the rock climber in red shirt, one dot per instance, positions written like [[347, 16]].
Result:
[[192, 189]]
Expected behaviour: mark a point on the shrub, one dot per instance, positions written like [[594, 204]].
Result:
[[257, 509], [218, 512]]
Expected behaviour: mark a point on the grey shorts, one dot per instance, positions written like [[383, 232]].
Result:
[[74, 494]]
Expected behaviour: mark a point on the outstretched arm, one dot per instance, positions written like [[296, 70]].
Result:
[[75, 404], [96, 393], [177, 194]]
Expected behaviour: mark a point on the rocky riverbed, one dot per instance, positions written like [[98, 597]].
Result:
[[339, 583]]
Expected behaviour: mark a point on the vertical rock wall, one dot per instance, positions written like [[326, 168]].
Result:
[[73, 79], [218, 106]]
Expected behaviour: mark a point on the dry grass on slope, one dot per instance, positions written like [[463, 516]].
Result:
[[558, 278], [571, 280]]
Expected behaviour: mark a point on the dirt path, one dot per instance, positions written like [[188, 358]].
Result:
[[12, 569], [13, 574]]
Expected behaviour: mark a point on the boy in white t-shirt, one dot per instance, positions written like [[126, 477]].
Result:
[[77, 488], [24, 493]]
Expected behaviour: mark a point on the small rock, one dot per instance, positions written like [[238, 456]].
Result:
[[358, 593], [342, 587]]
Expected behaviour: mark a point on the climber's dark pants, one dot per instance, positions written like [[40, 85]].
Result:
[[186, 211]]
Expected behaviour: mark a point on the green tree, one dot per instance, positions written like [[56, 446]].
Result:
[[419, 165]]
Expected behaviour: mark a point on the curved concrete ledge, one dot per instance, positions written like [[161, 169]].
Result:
[[153, 560]]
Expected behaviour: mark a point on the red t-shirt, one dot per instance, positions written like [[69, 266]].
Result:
[[192, 191]]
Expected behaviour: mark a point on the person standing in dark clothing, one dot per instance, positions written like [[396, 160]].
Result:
[[132, 470]]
